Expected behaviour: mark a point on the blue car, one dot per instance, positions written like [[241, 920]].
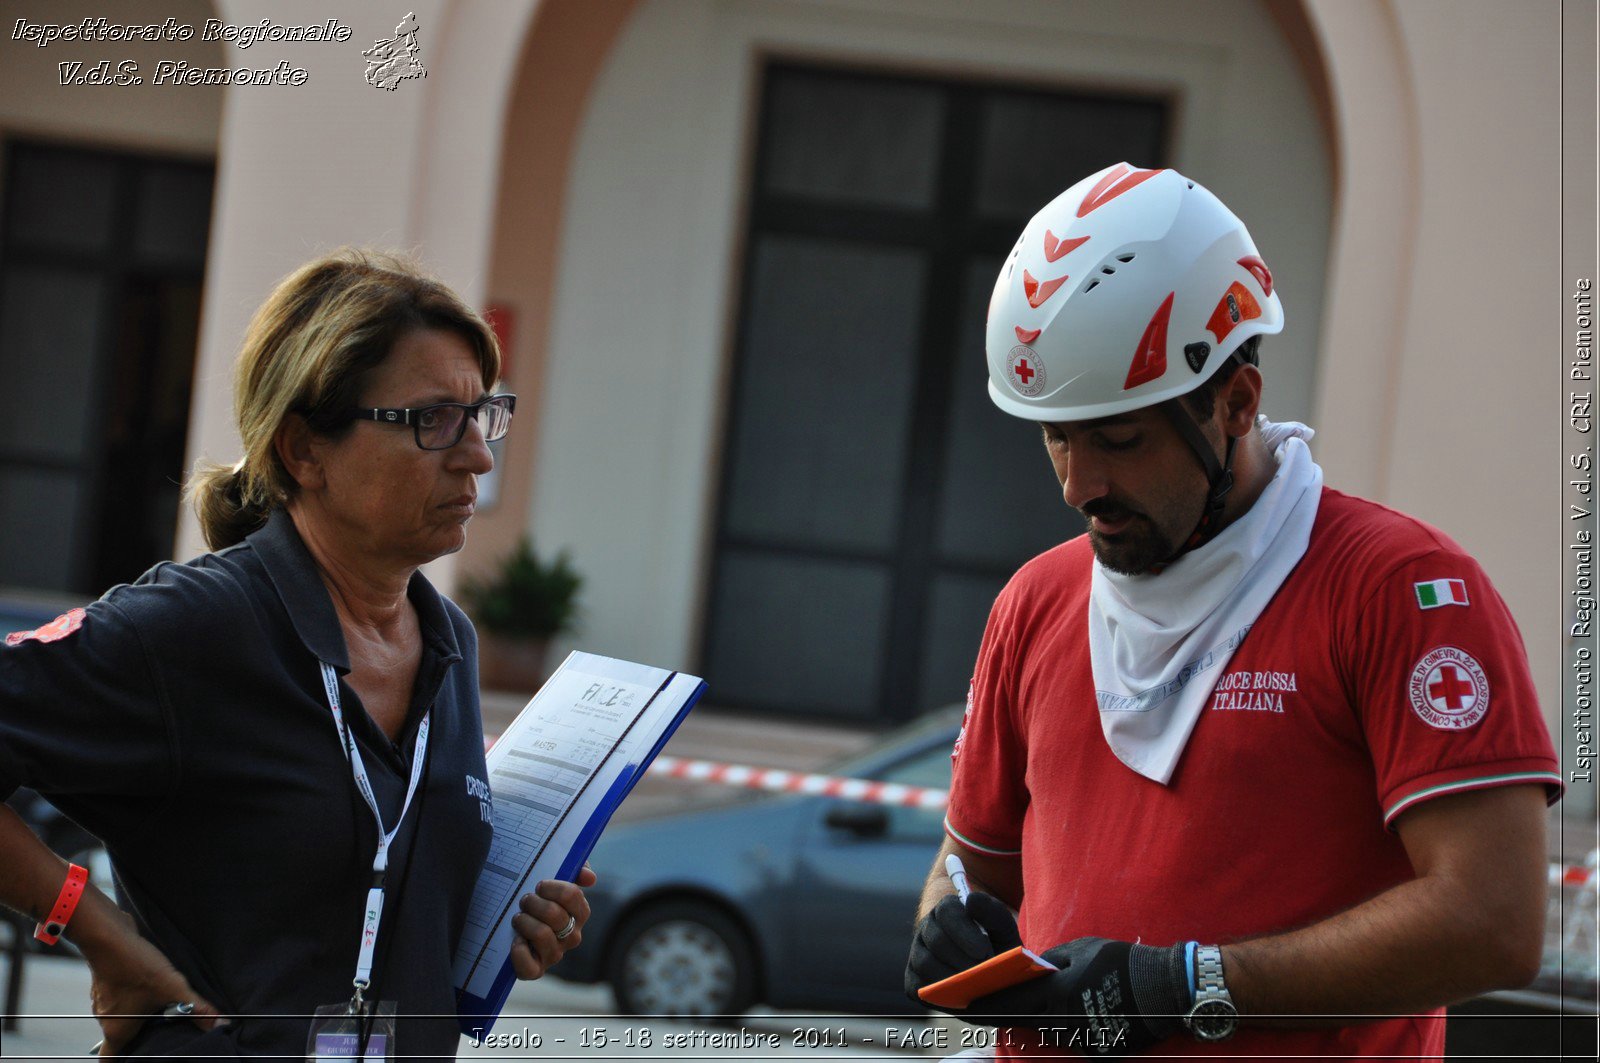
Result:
[[24, 613], [799, 902]]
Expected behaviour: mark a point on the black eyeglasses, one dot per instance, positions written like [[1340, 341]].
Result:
[[441, 426]]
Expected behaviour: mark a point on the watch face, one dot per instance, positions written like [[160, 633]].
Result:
[[1213, 1020]]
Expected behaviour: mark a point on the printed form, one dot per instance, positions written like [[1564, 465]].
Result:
[[556, 776]]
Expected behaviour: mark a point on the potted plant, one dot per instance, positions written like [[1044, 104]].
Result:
[[519, 608]]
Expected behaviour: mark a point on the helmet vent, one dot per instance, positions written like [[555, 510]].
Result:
[[1108, 270], [1091, 285], [1125, 258]]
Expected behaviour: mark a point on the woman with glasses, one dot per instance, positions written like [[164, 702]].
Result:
[[279, 742]]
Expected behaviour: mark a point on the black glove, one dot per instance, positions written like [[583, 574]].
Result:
[[952, 938], [1108, 998]]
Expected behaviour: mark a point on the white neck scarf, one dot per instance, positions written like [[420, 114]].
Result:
[[1158, 643]]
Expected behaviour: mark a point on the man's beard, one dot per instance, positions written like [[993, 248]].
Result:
[[1135, 549]]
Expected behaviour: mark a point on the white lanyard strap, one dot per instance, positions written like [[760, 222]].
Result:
[[380, 860]]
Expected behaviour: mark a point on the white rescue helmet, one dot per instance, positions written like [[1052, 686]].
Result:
[[1130, 288]]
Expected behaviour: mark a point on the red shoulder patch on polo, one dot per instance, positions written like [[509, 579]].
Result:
[[54, 631]]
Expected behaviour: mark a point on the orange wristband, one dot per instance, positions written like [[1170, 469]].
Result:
[[51, 929]]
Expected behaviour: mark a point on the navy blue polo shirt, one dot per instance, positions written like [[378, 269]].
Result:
[[185, 723]]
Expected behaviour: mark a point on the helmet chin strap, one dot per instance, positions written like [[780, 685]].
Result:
[[1218, 474]]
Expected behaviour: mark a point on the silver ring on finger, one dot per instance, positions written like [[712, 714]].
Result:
[[564, 932]]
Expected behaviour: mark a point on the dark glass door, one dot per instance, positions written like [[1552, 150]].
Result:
[[873, 501], [101, 261]]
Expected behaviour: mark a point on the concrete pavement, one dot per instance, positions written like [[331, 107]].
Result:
[[545, 1020]]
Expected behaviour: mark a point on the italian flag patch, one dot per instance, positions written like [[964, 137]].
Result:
[[1433, 593]]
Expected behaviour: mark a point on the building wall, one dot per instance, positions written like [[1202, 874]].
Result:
[[1440, 390], [640, 334], [181, 121], [1479, 386], [564, 51]]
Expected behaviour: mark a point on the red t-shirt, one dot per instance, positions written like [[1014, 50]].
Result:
[[1348, 702]]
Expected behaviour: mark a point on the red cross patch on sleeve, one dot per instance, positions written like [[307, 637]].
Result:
[[1449, 689], [54, 631]]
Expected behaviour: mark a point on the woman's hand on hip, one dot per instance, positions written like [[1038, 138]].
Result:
[[132, 982], [550, 924]]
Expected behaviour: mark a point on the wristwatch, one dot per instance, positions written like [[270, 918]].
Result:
[[1213, 1016]]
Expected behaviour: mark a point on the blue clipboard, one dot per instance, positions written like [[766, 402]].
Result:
[[476, 1015]]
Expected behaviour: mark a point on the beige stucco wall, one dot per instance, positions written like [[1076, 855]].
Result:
[[1485, 329], [1489, 109], [1441, 370], [565, 48]]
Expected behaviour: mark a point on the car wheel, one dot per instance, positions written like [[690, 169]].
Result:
[[682, 958]]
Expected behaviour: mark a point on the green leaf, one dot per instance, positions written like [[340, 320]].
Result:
[[525, 597]]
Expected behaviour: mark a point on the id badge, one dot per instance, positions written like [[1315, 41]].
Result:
[[336, 1033]]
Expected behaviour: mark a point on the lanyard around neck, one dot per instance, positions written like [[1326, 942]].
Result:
[[380, 860]]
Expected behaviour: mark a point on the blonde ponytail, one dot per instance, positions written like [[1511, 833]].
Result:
[[218, 496]]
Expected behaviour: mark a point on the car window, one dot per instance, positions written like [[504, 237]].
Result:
[[929, 769], [859, 763]]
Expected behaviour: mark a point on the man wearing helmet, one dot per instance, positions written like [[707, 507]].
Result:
[[1252, 753]]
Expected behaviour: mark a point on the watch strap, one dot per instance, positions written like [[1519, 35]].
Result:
[[1208, 982], [1212, 1016]]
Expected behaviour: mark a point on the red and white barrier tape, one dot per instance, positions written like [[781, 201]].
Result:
[[780, 780]]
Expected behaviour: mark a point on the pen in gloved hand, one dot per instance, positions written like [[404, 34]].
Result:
[[958, 878]]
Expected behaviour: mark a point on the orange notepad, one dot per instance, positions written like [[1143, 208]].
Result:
[[1009, 968]]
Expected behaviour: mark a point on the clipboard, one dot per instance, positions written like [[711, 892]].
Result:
[[1009, 968], [557, 774]]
